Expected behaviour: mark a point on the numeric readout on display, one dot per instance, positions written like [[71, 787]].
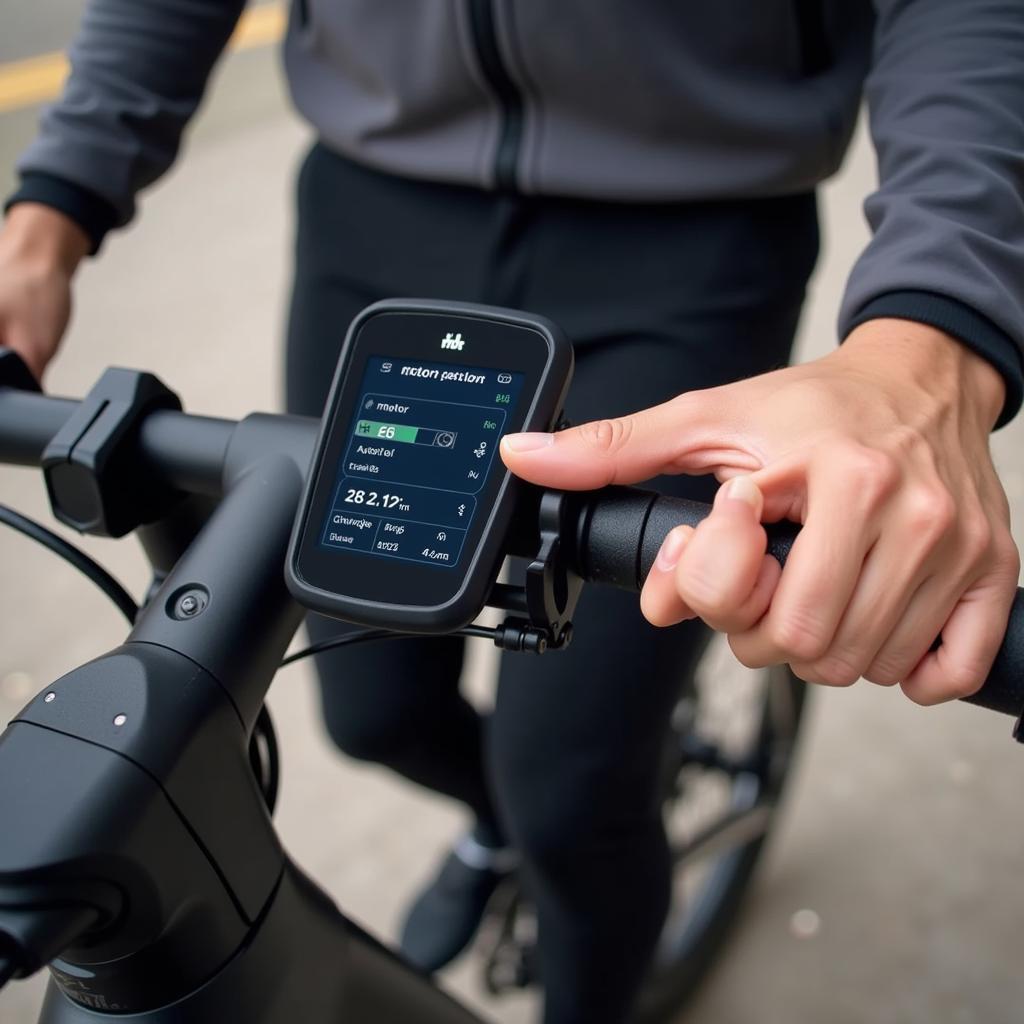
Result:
[[374, 500]]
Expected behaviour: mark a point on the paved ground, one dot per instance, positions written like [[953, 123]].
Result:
[[903, 832], [29, 32]]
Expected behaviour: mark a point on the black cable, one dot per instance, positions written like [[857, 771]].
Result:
[[482, 632], [367, 635], [265, 759], [79, 559], [126, 603]]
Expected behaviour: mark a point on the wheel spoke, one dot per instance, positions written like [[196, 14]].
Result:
[[745, 821], [693, 750]]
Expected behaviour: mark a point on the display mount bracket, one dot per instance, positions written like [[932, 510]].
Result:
[[543, 608]]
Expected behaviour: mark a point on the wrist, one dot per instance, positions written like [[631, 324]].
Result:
[[45, 237], [929, 365]]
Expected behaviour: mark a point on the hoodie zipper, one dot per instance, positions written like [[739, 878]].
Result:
[[815, 50], [506, 92]]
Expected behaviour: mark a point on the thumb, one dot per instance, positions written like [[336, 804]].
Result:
[[683, 435]]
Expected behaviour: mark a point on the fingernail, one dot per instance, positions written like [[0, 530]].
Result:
[[671, 550], [742, 488], [526, 442]]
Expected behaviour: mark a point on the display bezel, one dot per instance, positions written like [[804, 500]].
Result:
[[366, 588]]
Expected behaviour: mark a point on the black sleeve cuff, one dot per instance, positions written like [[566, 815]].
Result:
[[92, 213], [977, 332]]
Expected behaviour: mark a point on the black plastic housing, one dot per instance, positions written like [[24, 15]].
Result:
[[91, 465], [350, 585], [14, 373]]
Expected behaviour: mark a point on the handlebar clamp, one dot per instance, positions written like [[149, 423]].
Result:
[[546, 603], [93, 478]]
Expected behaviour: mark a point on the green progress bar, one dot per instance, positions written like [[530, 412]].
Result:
[[404, 433], [387, 431]]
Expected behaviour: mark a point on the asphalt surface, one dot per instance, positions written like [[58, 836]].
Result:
[[902, 833], [29, 30]]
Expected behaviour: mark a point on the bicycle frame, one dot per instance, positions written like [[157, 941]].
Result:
[[221, 924]]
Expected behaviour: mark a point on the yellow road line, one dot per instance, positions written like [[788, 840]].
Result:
[[32, 81], [25, 83], [260, 26]]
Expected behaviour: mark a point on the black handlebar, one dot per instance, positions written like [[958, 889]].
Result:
[[617, 531], [621, 530]]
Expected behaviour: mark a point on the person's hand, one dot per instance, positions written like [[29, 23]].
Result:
[[39, 251], [880, 450]]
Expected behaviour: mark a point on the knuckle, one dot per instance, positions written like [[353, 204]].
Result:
[[886, 671], [833, 670], [919, 695], [1006, 557], [905, 439], [977, 537], [870, 473], [798, 638], [746, 654], [607, 436], [931, 512], [705, 595], [963, 681], [819, 674], [689, 404], [805, 673]]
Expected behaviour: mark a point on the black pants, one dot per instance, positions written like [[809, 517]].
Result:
[[658, 299]]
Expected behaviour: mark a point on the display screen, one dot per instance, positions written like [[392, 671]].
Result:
[[420, 447]]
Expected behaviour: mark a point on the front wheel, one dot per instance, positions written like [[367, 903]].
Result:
[[730, 750]]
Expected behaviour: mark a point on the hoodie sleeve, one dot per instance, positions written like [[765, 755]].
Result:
[[946, 101], [138, 72]]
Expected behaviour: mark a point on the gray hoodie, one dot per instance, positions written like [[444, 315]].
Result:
[[645, 100]]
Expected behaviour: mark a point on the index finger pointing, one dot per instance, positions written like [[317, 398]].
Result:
[[668, 438]]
